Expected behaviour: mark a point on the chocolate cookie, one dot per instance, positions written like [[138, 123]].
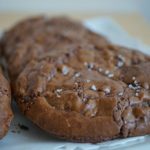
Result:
[[74, 84], [35, 37], [5, 108], [81, 95]]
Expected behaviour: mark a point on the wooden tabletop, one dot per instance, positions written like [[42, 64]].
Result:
[[133, 23]]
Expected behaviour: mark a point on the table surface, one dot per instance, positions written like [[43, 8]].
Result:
[[133, 23]]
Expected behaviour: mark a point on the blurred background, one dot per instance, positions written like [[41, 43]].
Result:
[[132, 15], [89, 6]]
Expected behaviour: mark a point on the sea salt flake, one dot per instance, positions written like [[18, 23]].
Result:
[[131, 86], [138, 90], [133, 78], [107, 72], [76, 83], [100, 69], [134, 86], [77, 74], [84, 99], [146, 86], [110, 75], [90, 65], [107, 90], [58, 95], [65, 70], [120, 63], [59, 90], [121, 60], [135, 82], [93, 87], [121, 57], [136, 94], [85, 63], [138, 87], [88, 81], [49, 78], [120, 94], [90, 106]]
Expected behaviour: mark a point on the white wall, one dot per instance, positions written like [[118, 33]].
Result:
[[69, 5]]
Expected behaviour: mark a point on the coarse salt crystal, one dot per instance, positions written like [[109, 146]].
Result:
[[90, 106], [85, 63], [84, 99], [120, 94], [58, 95], [100, 69], [77, 74], [134, 87], [110, 75], [91, 65], [138, 90], [135, 82], [120, 63], [136, 94], [59, 90], [107, 90], [121, 57], [121, 60], [131, 86], [107, 72], [133, 78], [146, 86], [65, 70], [93, 87], [88, 81]]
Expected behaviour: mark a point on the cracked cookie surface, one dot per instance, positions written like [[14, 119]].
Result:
[[75, 84]]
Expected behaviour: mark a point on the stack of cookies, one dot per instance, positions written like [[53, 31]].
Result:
[[74, 83]]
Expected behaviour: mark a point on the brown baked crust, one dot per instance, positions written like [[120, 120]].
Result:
[[76, 87], [6, 114], [35, 35], [76, 109]]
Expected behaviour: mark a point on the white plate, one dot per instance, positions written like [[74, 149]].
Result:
[[36, 139]]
